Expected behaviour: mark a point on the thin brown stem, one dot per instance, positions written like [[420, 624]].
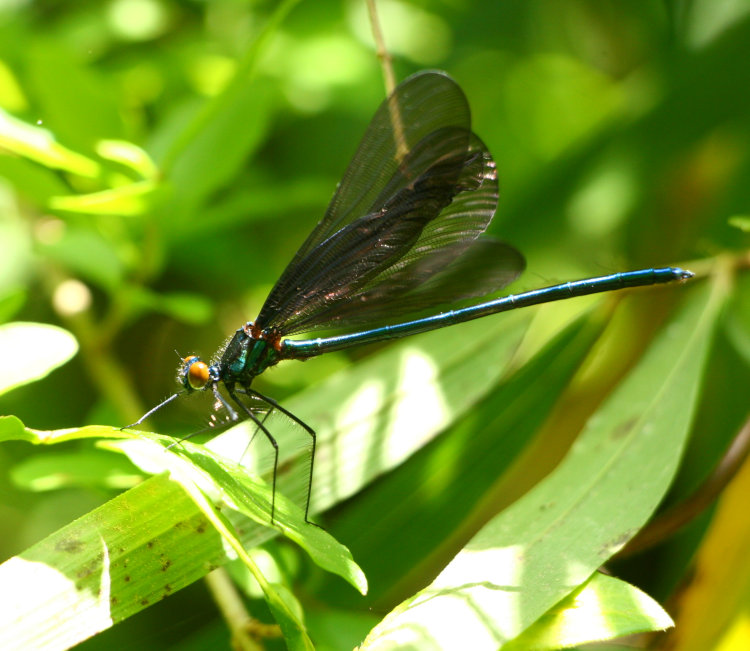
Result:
[[242, 626], [386, 63], [669, 522]]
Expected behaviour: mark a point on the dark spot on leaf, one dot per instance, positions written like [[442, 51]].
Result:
[[150, 544], [286, 467], [201, 528], [126, 578], [165, 565], [83, 572], [113, 601], [70, 545], [623, 429], [144, 602]]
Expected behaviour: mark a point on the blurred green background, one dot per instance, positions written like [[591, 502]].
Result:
[[620, 132]]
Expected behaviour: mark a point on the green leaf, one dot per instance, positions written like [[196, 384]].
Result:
[[549, 90], [738, 318], [76, 101], [216, 152], [12, 429], [603, 609], [459, 481], [39, 145], [173, 531], [339, 629], [30, 351], [109, 564], [89, 254], [547, 543], [31, 180], [10, 90], [183, 306], [742, 222], [262, 202], [281, 604], [127, 200], [46, 472], [224, 132], [129, 155], [12, 299], [195, 466], [377, 405]]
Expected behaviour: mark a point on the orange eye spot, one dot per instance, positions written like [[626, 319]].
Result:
[[197, 374]]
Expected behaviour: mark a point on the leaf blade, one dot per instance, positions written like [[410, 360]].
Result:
[[531, 555], [30, 351]]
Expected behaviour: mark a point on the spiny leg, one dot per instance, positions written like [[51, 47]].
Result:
[[304, 426], [214, 429], [220, 399], [256, 430], [162, 404], [269, 436], [210, 428]]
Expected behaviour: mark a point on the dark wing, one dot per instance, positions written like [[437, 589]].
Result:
[[401, 232]]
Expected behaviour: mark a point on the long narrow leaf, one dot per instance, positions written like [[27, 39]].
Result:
[[603, 609], [550, 541], [32, 350]]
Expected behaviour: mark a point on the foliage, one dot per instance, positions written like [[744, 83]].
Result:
[[159, 164]]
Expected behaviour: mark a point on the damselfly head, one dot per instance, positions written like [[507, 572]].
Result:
[[194, 374]]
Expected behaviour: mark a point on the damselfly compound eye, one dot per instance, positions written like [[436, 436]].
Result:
[[195, 374]]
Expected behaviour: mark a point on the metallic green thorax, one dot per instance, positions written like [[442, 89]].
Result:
[[246, 356]]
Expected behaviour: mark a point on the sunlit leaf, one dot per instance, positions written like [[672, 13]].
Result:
[[128, 154], [213, 474], [621, 148], [30, 351], [127, 200], [204, 495], [47, 472], [11, 301], [39, 144], [122, 555], [603, 609], [741, 222], [537, 551], [13, 98], [452, 484], [129, 553]]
